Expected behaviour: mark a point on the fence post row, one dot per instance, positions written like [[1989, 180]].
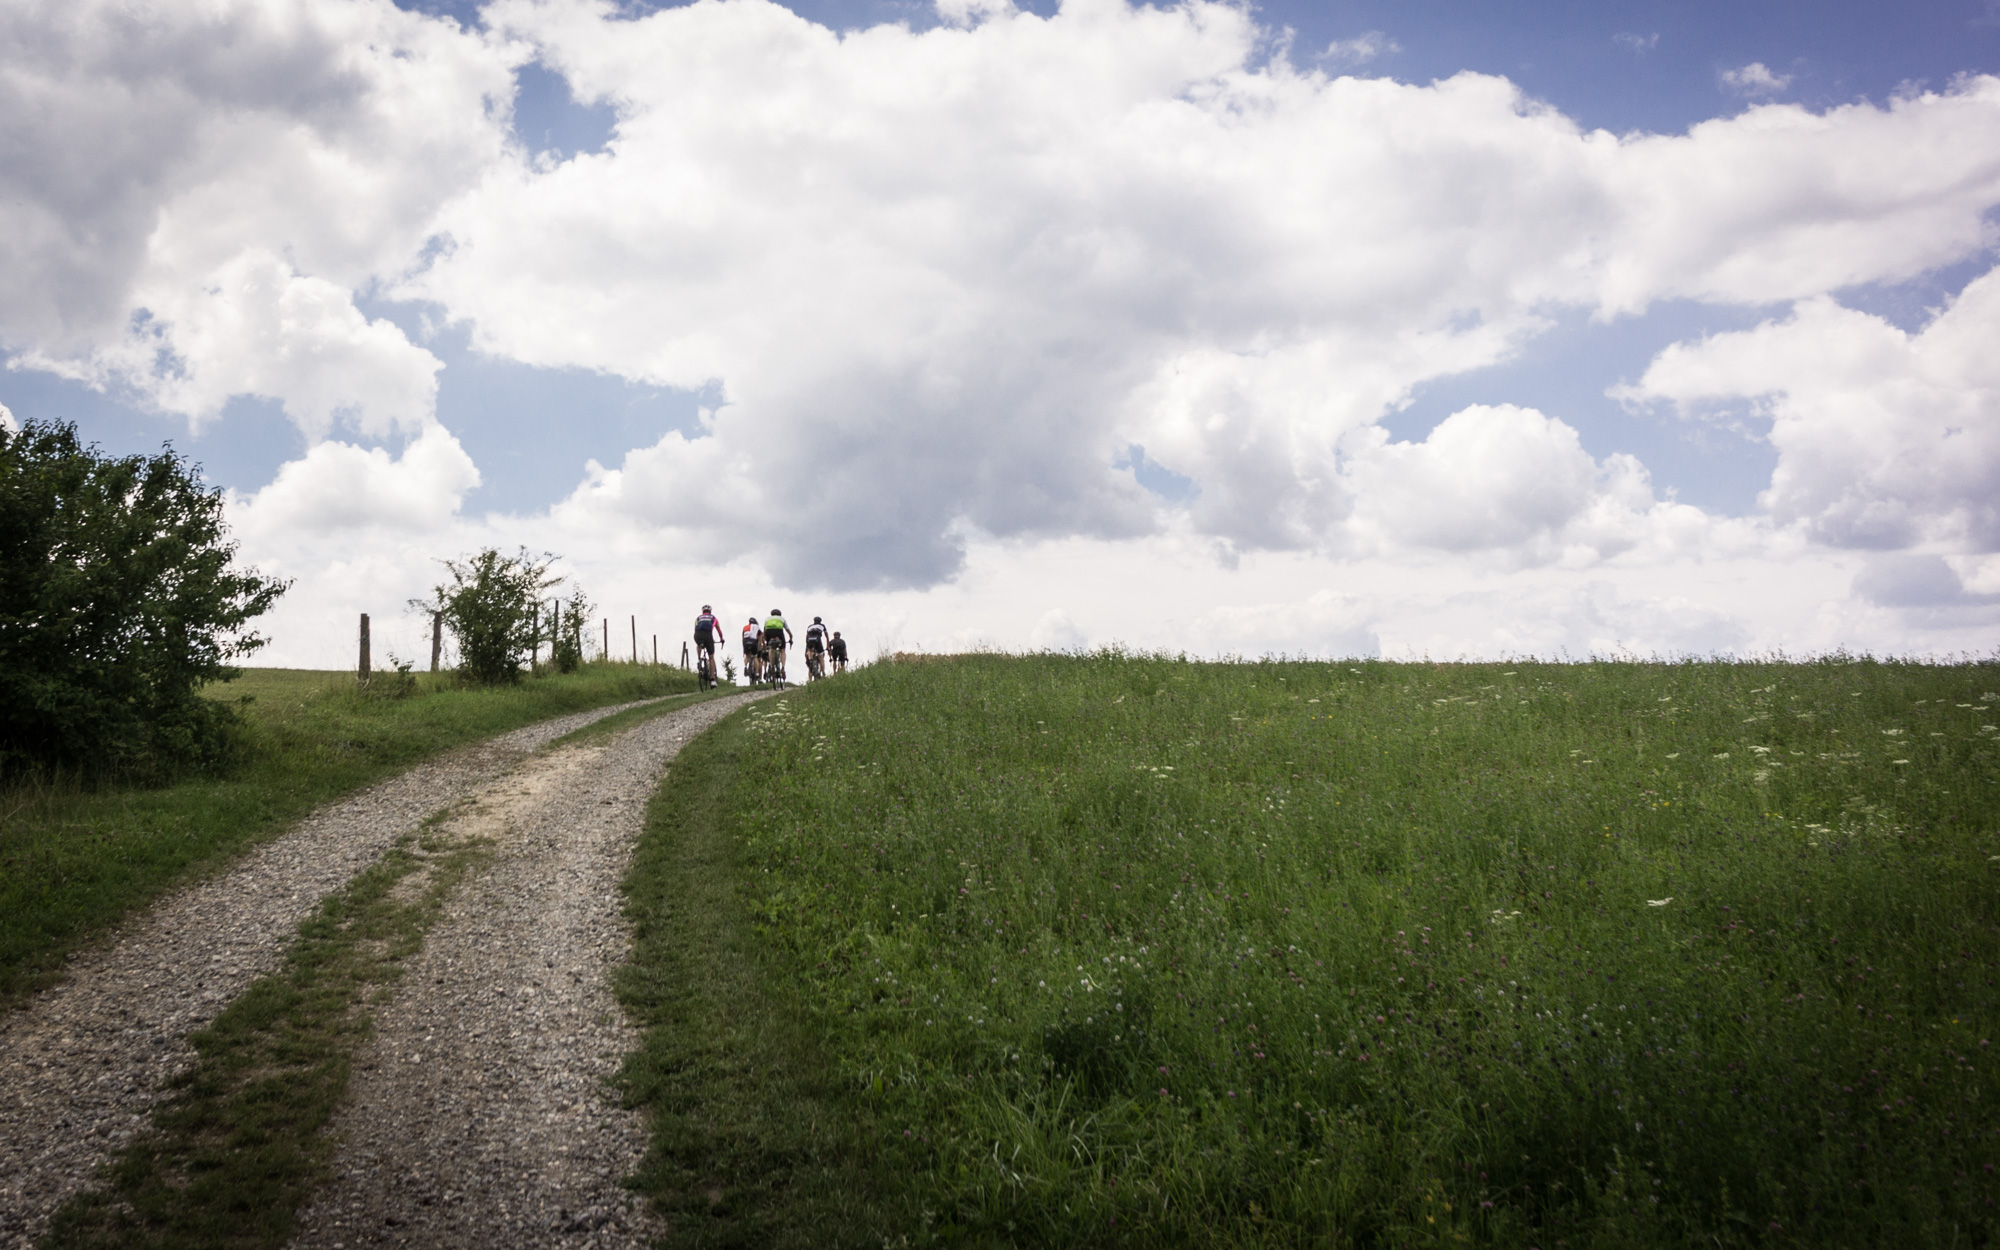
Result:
[[363, 665]]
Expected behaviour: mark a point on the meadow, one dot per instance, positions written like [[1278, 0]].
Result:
[[1122, 950], [77, 858]]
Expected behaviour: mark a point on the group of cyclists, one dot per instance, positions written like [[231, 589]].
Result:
[[764, 646]]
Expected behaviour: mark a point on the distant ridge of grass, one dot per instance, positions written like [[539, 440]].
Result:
[[75, 861], [1122, 950]]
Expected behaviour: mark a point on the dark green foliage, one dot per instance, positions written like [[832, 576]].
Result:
[[490, 607], [566, 630], [118, 600]]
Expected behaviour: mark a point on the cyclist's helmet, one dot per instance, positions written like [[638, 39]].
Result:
[[777, 612], [816, 620], [706, 608]]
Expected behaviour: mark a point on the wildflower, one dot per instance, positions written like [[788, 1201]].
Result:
[[1659, 902]]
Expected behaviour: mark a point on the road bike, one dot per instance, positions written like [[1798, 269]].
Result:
[[704, 668], [815, 665], [774, 668]]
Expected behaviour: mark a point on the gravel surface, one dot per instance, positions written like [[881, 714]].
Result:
[[480, 1114], [82, 1063]]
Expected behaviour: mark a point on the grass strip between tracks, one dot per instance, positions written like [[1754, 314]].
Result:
[[619, 722], [751, 1145], [74, 861], [237, 1148]]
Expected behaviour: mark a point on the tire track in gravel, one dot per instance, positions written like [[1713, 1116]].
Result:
[[481, 1112], [82, 1063]]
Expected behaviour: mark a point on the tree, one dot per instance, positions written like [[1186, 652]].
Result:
[[119, 599], [490, 608]]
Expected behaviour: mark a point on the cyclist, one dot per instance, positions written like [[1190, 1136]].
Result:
[[778, 637], [816, 647], [753, 638], [706, 630], [837, 649]]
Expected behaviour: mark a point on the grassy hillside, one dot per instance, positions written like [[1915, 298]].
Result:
[[1115, 950], [74, 861]]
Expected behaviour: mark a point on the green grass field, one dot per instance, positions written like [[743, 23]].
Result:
[[1117, 950], [75, 860]]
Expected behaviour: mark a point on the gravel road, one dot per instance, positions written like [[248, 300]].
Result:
[[82, 1063], [480, 1114]]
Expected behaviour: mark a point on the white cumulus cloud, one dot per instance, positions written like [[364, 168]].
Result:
[[338, 487], [1885, 439], [1756, 78], [1359, 50], [946, 279], [191, 194]]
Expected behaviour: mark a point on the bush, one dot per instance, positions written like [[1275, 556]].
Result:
[[566, 630], [490, 608], [118, 601]]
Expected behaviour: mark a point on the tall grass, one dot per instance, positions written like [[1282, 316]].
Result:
[[76, 859], [1131, 950]]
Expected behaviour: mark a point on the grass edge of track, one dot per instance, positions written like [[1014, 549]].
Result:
[[751, 1143]]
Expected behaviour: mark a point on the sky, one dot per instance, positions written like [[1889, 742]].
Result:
[[1438, 329]]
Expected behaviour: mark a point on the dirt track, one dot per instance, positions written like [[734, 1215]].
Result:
[[478, 1114]]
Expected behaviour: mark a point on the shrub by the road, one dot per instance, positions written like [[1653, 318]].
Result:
[[490, 605], [119, 598]]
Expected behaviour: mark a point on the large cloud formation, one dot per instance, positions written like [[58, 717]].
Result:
[[948, 279], [958, 287], [192, 194]]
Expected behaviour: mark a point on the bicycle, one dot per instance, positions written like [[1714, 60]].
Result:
[[704, 669], [774, 668], [815, 665]]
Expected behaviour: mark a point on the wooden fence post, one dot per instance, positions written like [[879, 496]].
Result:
[[606, 656], [656, 650], [362, 672], [635, 639], [684, 655], [437, 638]]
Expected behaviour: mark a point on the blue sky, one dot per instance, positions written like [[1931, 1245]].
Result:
[[494, 334]]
